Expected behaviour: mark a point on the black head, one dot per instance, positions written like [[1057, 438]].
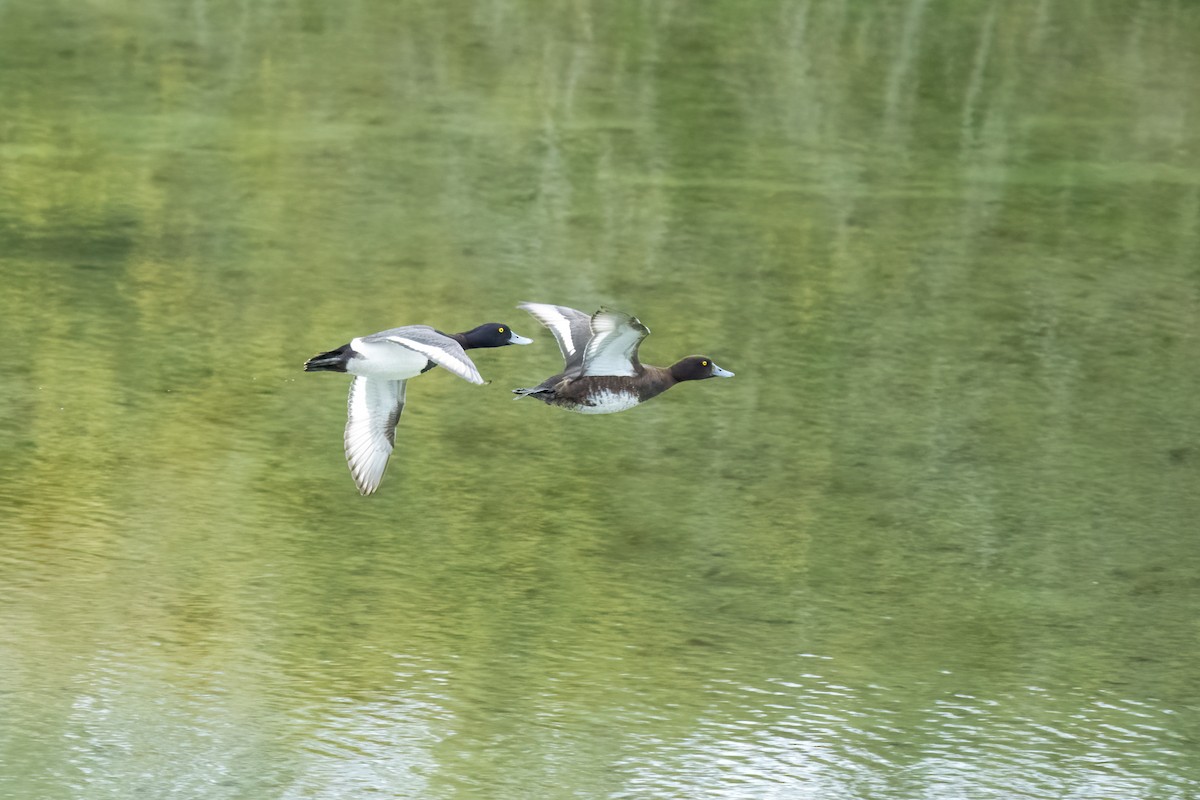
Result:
[[697, 368], [492, 334]]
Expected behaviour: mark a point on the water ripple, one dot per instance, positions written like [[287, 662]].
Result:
[[834, 742]]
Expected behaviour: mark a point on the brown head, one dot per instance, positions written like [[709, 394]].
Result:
[[697, 368]]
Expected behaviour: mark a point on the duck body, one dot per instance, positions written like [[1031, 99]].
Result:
[[382, 364], [602, 373], [600, 394], [408, 351]]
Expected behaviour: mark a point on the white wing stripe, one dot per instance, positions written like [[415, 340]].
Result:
[[444, 356], [615, 340], [556, 321]]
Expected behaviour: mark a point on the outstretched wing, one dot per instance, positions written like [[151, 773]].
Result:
[[372, 413], [613, 348], [437, 347], [571, 328]]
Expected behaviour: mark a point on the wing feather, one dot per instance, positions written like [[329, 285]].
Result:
[[612, 350], [571, 329], [373, 410], [438, 348]]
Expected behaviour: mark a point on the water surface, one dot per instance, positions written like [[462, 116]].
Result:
[[935, 540]]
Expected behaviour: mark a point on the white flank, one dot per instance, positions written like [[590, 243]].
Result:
[[608, 402], [385, 359]]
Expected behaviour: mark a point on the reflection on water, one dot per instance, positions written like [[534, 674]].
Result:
[[933, 541]]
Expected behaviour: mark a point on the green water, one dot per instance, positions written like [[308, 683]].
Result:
[[937, 539]]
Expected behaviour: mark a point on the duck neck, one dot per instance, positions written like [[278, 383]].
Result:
[[462, 339], [676, 373]]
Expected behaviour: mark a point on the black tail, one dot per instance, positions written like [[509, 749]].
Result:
[[333, 361]]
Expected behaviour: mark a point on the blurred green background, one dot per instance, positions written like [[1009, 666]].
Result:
[[937, 539]]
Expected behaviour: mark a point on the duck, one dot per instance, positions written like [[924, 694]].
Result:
[[382, 364], [602, 373]]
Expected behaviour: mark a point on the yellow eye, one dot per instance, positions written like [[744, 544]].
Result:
[[502, 329], [704, 363]]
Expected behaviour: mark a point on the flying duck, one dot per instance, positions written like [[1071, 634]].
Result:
[[382, 363], [602, 374]]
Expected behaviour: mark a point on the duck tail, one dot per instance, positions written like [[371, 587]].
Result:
[[333, 361], [533, 390]]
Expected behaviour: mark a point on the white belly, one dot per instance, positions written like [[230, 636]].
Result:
[[608, 402], [386, 360]]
